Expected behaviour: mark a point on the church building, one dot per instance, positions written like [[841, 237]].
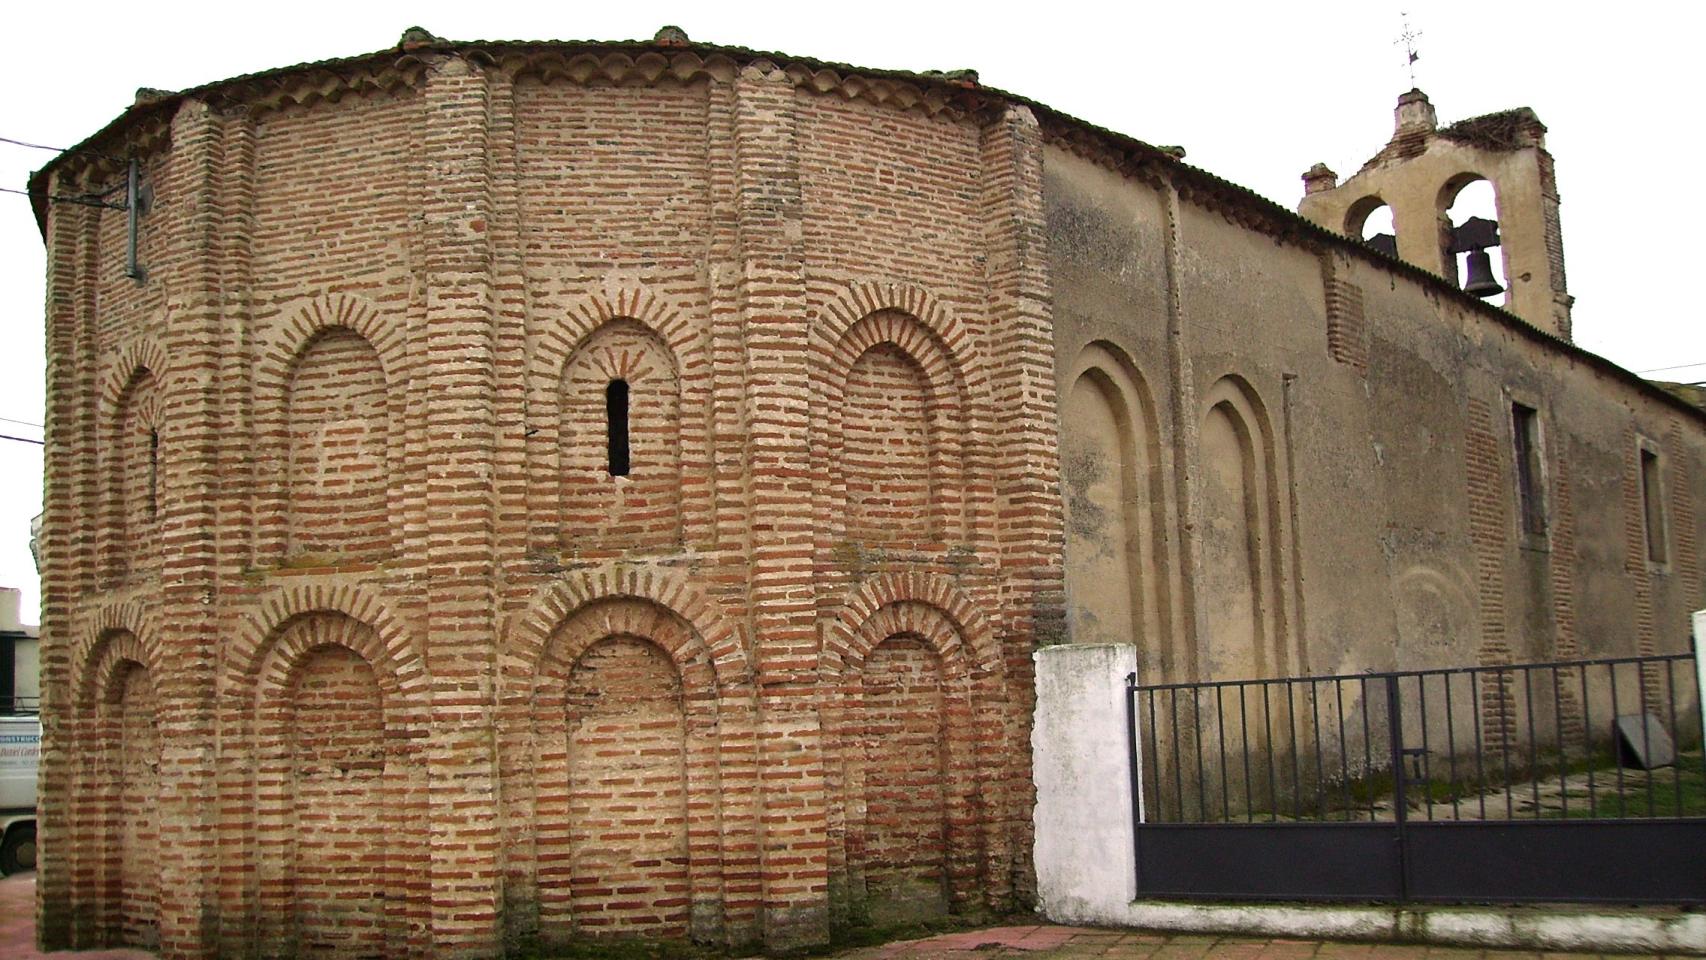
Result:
[[508, 493]]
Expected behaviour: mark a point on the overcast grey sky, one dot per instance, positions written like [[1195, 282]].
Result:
[[1256, 92]]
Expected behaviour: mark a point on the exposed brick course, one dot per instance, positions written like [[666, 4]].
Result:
[[389, 657]]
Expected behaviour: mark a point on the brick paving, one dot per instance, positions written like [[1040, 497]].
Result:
[[1032, 942], [1069, 943]]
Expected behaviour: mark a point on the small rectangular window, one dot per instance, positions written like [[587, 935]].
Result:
[[616, 425], [1653, 506], [1525, 426], [153, 474]]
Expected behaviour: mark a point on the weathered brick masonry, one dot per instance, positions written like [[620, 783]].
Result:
[[542, 491], [363, 642]]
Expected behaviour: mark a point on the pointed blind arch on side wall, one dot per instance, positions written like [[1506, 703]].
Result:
[[1116, 562], [1241, 540]]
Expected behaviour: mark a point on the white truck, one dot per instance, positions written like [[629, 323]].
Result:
[[20, 755]]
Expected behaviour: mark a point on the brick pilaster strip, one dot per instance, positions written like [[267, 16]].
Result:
[[773, 318], [190, 485], [236, 529], [462, 824], [1683, 520], [1561, 569], [1030, 521], [740, 800], [66, 554], [1489, 526]]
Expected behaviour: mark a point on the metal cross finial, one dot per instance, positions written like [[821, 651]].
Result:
[[1408, 38]]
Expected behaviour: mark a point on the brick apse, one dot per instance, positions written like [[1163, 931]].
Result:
[[546, 491]]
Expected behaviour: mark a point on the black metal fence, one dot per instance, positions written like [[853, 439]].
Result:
[[1524, 741], [1298, 787]]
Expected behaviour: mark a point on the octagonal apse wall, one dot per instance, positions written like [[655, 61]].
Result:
[[530, 498]]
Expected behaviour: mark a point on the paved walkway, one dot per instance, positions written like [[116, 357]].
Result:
[[18, 926], [1073, 943], [1043, 942]]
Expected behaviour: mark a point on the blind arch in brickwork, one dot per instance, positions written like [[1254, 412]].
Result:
[[280, 352], [391, 650], [844, 304], [848, 318], [93, 649], [640, 507], [714, 636], [323, 681], [619, 671], [893, 428], [850, 636], [923, 612], [625, 329], [132, 402], [115, 714], [602, 620], [141, 353]]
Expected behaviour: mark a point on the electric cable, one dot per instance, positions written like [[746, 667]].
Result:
[[43, 146], [1680, 366], [33, 146]]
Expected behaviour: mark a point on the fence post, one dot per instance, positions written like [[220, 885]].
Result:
[[1134, 761], [1700, 667], [1400, 802]]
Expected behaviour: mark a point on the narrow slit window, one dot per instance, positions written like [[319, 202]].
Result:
[[153, 473], [1525, 425], [616, 420], [1653, 506]]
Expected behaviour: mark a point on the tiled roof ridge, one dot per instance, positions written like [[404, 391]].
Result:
[[1119, 151]]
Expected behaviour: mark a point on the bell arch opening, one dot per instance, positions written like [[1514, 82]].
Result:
[[1370, 220], [1471, 237]]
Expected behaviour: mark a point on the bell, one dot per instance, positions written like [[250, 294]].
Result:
[[1481, 283]]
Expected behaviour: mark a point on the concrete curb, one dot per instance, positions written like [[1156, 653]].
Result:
[[1586, 930]]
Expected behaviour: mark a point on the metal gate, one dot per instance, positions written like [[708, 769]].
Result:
[[1567, 781]]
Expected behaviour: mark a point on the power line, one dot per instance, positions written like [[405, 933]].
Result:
[[32, 146], [1680, 366], [22, 423], [87, 200], [43, 146], [7, 436]]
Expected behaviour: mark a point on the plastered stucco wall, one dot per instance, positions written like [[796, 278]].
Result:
[[1333, 487], [1080, 757]]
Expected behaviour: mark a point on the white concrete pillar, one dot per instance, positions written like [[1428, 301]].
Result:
[[1080, 749]]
